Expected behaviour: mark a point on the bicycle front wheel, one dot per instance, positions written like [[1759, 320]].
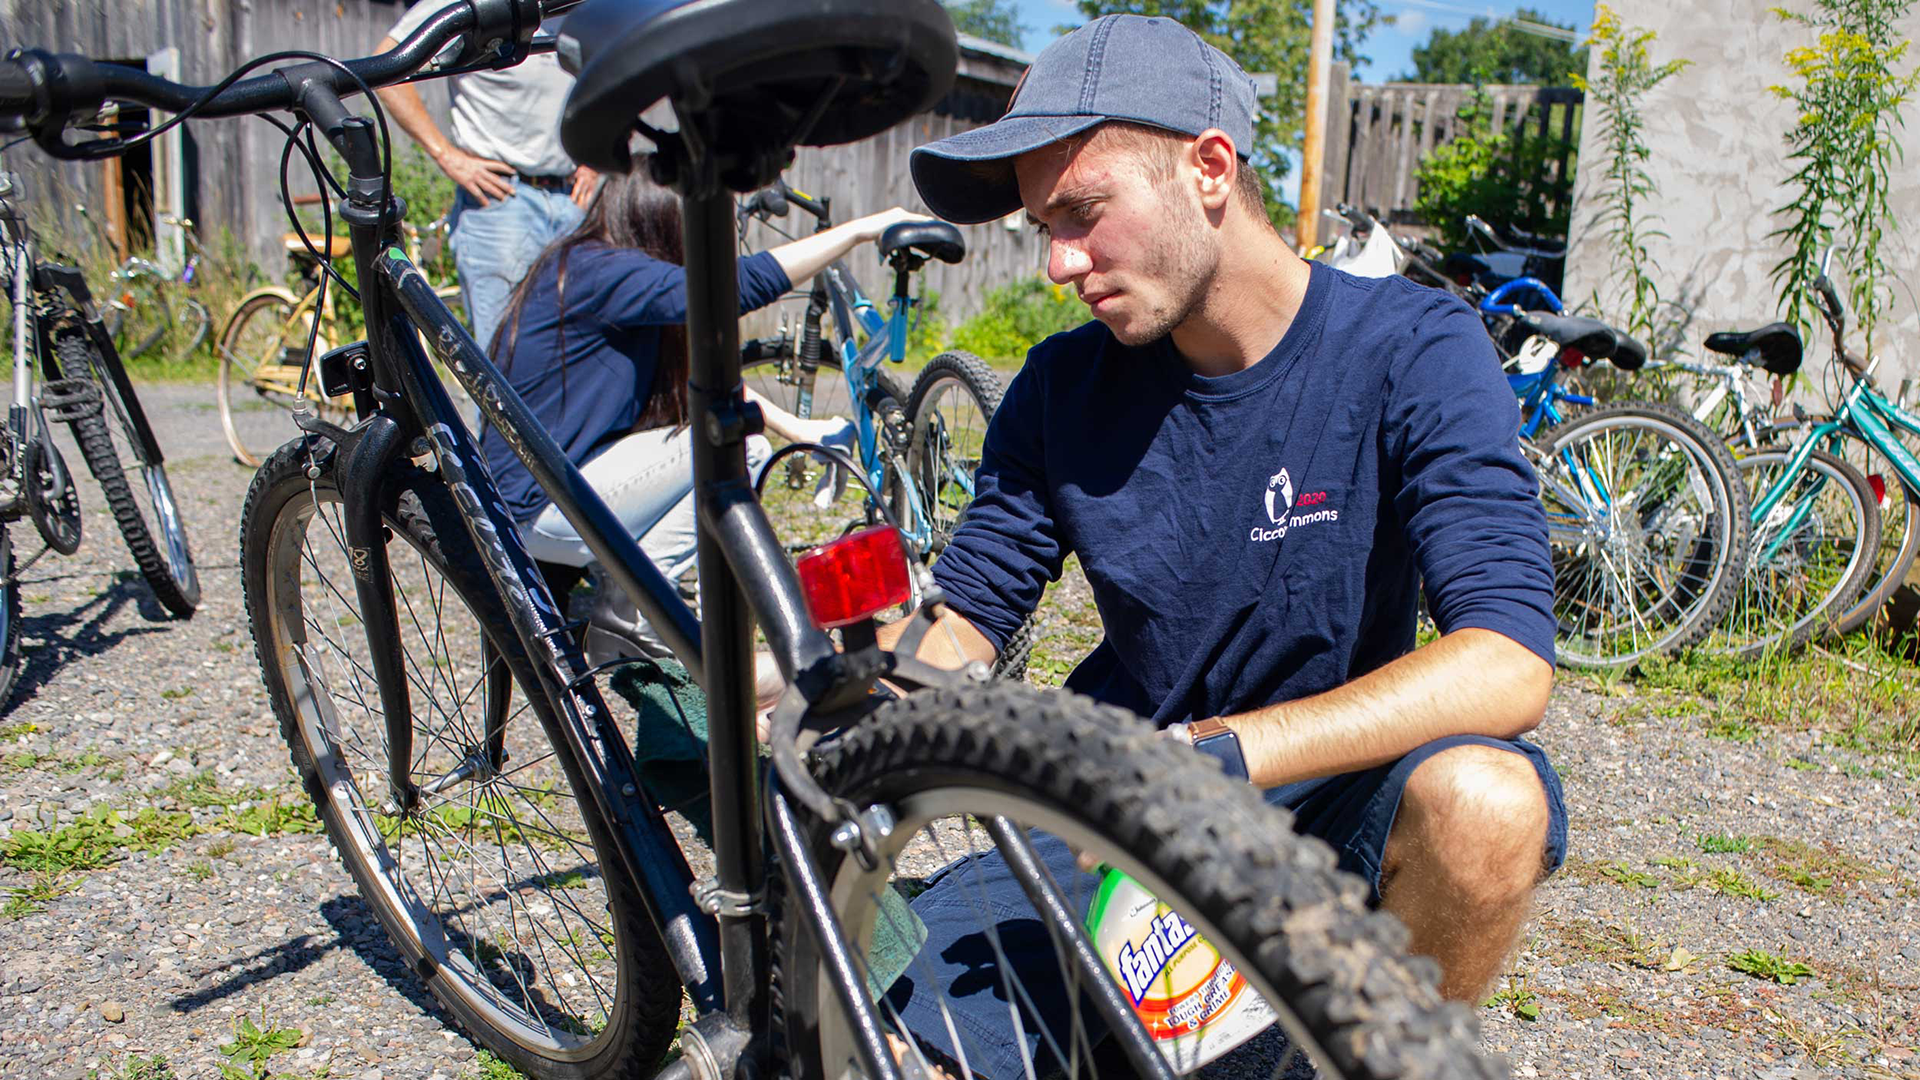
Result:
[[500, 891], [263, 350], [1278, 920], [142, 503], [1899, 508], [1647, 526], [1811, 554]]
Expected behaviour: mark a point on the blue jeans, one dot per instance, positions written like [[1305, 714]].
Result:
[[494, 247]]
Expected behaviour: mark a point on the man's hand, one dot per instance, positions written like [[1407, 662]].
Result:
[[483, 178], [584, 180]]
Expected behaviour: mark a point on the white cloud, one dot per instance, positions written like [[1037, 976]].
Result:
[[1410, 21]]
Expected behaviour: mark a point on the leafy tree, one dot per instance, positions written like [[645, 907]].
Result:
[[1503, 176], [1497, 52], [1263, 36], [995, 20]]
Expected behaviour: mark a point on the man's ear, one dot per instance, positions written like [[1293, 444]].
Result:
[[1216, 165]]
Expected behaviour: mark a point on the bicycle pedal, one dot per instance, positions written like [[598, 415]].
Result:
[[64, 401]]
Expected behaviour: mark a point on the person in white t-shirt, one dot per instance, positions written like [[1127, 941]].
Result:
[[516, 189]]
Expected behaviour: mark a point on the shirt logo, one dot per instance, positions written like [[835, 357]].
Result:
[[1279, 500]]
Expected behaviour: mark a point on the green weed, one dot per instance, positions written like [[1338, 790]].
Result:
[[1765, 965], [141, 1068], [19, 730], [271, 817], [1722, 844], [1734, 883], [252, 1045], [1629, 877], [488, 1067], [1516, 999], [24, 900]]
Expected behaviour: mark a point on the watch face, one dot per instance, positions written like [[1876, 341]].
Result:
[[1225, 746]]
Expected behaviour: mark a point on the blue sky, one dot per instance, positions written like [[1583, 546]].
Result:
[[1390, 47]]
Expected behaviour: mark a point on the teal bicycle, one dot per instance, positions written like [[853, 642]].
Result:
[[1822, 561]]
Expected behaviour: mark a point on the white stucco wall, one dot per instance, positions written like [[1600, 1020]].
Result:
[[1719, 166]]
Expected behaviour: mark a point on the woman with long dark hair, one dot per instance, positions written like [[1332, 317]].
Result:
[[593, 341]]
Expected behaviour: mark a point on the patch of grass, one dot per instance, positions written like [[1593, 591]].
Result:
[[22, 759], [200, 789], [1734, 883], [488, 1067], [1723, 844], [1800, 764], [220, 848], [271, 817], [95, 840], [86, 759], [18, 730], [1608, 944], [25, 900], [1855, 692], [1765, 965], [1816, 869], [199, 870], [176, 693], [140, 1068], [1629, 877]]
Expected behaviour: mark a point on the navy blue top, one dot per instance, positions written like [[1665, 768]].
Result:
[[617, 301], [1262, 536]]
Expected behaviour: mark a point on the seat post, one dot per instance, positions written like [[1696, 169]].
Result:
[[720, 425]]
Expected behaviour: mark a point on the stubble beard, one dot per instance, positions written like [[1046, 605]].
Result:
[[1185, 262]]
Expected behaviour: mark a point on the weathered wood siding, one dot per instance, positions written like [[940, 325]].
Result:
[[232, 168], [1377, 134]]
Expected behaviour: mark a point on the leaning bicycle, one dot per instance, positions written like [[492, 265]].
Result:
[[65, 370], [487, 803]]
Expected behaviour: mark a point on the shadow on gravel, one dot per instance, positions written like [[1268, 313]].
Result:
[[62, 636], [354, 927]]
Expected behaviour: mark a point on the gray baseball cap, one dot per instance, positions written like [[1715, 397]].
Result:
[[1148, 70]]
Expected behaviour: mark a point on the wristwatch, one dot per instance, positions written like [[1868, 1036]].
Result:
[[1214, 738]]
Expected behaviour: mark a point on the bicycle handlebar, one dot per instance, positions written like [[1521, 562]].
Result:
[[45, 92]]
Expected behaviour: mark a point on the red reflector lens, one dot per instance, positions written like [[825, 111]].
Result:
[[859, 575], [1879, 485], [1572, 357]]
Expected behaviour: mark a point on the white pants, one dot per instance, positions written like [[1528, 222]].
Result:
[[647, 481]]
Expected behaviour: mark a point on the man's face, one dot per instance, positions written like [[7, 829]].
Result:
[[1132, 245]]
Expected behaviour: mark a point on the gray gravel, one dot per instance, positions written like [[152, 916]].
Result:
[[160, 954]]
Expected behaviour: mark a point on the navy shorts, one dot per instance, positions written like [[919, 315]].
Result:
[[954, 986]]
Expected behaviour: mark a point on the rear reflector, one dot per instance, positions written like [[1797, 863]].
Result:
[[1878, 483], [855, 577], [1572, 357]]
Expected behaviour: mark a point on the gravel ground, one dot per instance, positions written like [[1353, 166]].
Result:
[[161, 952]]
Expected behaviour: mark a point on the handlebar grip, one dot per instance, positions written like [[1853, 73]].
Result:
[[1824, 286]]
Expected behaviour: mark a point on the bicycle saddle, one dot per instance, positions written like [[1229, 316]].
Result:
[[1628, 353], [750, 79], [1590, 336], [1778, 344], [332, 247], [934, 238]]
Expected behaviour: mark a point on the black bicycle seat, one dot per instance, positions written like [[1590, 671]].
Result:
[[1628, 353], [1778, 344], [1590, 336], [934, 238], [751, 78]]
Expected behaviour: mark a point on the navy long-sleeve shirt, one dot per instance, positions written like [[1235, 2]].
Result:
[[617, 299], [1262, 536]]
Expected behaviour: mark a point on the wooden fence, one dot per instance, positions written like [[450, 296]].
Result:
[[1377, 134], [224, 174]]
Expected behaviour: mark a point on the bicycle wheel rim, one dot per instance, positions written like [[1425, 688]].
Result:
[[260, 370], [1801, 570], [949, 432], [854, 893], [1606, 563], [458, 931]]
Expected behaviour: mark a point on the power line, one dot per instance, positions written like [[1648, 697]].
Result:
[[1524, 26]]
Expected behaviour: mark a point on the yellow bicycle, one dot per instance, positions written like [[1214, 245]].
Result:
[[263, 351]]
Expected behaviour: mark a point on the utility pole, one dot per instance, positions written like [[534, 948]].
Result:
[[1319, 62]]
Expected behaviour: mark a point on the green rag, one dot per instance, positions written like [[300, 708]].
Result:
[[670, 752]]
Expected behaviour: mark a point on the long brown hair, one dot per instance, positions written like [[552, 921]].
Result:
[[628, 211]]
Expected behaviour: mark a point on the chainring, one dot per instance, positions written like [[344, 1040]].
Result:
[[57, 516]]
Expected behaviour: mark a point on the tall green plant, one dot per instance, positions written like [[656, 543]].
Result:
[[1843, 148], [1503, 176], [1626, 73]]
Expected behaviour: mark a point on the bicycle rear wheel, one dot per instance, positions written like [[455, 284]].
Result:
[[1647, 526], [262, 350], [947, 414], [499, 891], [143, 505], [1810, 557], [145, 318], [1093, 780]]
